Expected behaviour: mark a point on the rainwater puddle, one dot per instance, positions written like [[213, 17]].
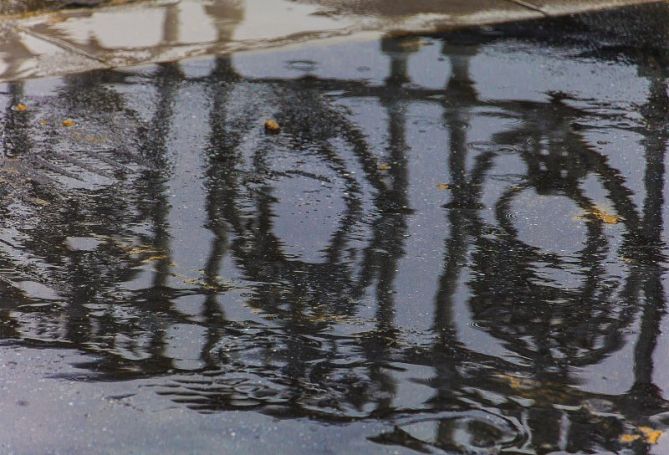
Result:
[[465, 260]]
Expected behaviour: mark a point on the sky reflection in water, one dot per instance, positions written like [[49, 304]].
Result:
[[324, 272]]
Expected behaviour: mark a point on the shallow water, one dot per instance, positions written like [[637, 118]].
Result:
[[456, 243]]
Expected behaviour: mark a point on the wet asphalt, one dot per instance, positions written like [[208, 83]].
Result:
[[456, 243]]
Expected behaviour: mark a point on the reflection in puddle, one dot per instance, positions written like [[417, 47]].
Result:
[[124, 33], [327, 272]]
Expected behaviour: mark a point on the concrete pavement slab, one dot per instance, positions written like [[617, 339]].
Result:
[[168, 31], [561, 7], [134, 33], [455, 9]]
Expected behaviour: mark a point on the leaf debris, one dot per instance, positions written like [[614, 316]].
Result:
[[272, 126], [649, 435], [599, 213]]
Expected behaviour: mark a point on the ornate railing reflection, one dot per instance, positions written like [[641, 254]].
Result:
[[302, 347]]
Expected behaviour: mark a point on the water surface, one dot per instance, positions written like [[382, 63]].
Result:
[[456, 244]]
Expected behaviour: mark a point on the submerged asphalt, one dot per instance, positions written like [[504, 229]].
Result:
[[455, 243]]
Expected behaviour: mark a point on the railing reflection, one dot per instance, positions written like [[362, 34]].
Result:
[[302, 347]]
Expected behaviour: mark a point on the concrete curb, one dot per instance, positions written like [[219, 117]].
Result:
[[130, 34]]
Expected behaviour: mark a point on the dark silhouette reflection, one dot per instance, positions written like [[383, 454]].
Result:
[[231, 269]]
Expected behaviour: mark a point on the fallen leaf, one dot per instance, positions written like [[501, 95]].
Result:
[[628, 438], [384, 167], [68, 122], [156, 258], [600, 214], [136, 250], [443, 186], [20, 107], [272, 126], [651, 435], [604, 216], [518, 382]]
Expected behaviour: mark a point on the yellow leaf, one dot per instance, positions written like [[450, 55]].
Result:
[[602, 215], [650, 434], [21, 107], [384, 167], [517, 382], [272, 126], [443, 186], [156, 258], [628, 438], [68, 122]]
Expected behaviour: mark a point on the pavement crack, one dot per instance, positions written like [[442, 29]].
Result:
[[527, 5]]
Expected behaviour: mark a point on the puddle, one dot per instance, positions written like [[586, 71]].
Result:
[[468, 260]]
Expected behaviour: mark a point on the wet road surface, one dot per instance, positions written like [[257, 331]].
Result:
[[456, 243]]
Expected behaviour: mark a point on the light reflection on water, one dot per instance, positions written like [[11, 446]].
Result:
[[323, 272]]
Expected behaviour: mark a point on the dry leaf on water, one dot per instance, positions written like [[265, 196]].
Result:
[[603, 216], [600, 214], [651, 435], [628, 438], [518, 382], [272, 126]]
